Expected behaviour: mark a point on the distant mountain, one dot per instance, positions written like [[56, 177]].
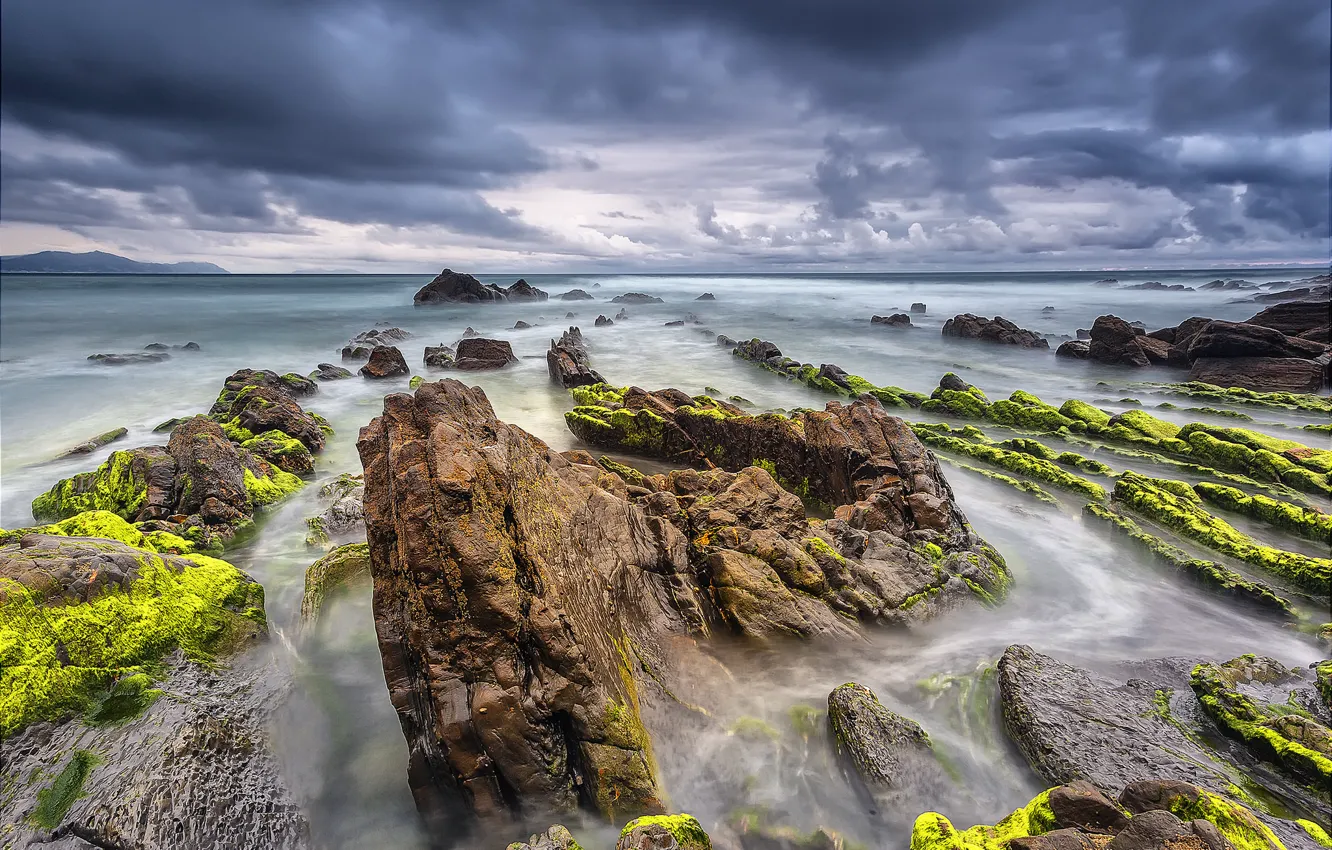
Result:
[[97, 262]]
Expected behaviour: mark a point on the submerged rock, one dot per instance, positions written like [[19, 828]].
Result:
[[344, 518], [329, 372], [568, 363], [576, 295], [707, 296], [664, 832], [129, 359], [438, 357], [603, 322], [998, 329], [1077, 349], [636, 298], [478, 354], [386, 361], [90, 446], [335, 570], [897, 320], [890, 753], [918, 307], [622, 315]]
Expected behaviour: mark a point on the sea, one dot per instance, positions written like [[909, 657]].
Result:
[[1077, 594]]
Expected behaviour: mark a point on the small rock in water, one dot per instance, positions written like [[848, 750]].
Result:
[[622, 315], [89, 446], [521, 326], [155, 346], [676, 324], [636, 298], [918, 307], [707, 296], [329, 372], [129, 359], [603, 322], [438, 356], [386, 361]]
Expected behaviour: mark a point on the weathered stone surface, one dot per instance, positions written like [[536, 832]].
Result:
[[477, 354], [887, 750], [1264, 374], [455, 287], [343, 566], [329, 372], [520, 593], [386, 361], [1077, 349], [438, 357], [1236, 339], [896, 320], [343, 520], [707, 296], [636, 298], [195, 769], [210, 476], [1115, 342], [918, 307], [998, 329], [603, 322], [257, 401], [555, 838], [568, 362], [92, 445], [1294, 317], [1081, 805]]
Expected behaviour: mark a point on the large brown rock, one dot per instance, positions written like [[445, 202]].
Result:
[[477, 354], [568, 362], [1116, 342], [386, 361], [1294, 318], [1264, 374], [522, 593], [998, 329], [210, 477], [1237, 339]]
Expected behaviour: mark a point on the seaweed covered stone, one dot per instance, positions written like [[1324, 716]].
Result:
[[254, 402], [886, 750], [339, 568], [664, 832]]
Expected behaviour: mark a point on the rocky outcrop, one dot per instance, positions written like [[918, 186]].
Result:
[[129, 359], [918, 307], [329, 372], [476, 354], [603, 322], [102, 631], [1117, 733], [998, 329], [575, 295], [438, 357], [1265, 374], [1158, 286], [331, 573], [364, 343], [568, 362], [707, 296], [1294, 318], [828, 377], [636, 298], [556, 837], [259, 411], [450, 287], [621, 315], [896, 320], [386, 361], [887, 751], [1237, 339], [664, 832], [525, 598], [1115, 342]]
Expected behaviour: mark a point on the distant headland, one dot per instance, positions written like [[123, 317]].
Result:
[[97, 262]]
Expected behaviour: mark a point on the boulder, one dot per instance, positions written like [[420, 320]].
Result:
[[621, 315], [521, 326], [129, 359], [896, 320], [329, 372], [478, 354], [678, 323], [526, 600], [255, 402], [92, 445], [918, 307], [555, 838], [998, 329], [1078, 349], [344, 518], [726, 341], [195, 769], [455, 287], [568, 363], [1237, 339], [886, 750], [1116, 342], [356, 352], [521, 290], [1323, 335], [438, 357], [1158, 286], [386, 361], [576, 295], [664, 832], [636, 298], [1263, 374], [1293, 318], [602, 322], [707, 296]]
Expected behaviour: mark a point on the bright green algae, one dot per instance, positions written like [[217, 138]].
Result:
[[1029, 488], [1012, 461], [69, 656], [1208, 573], [1238, 395], [54, 801], [1297, 743], [114, 486], [856, 386], [685, 829], [1310, 524], [109, 526], [1175, 505]]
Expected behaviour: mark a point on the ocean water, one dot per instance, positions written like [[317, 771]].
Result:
[[1077, 595]]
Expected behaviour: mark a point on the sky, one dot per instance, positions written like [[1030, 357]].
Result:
[[651, 135]]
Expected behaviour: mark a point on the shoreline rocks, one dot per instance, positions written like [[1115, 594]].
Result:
[[476, 354], [636, 298], [450, 287], [998, 330], [568, 362], [896, 320], [386, 361], [92, 445]]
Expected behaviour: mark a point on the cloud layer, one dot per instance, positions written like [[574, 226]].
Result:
[[516, 134]]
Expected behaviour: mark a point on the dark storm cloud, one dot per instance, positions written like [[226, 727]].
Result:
[[248, 115]]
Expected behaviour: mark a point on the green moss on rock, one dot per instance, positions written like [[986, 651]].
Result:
[[54, 801], [933, 831], [274, 488], [339, 567], [1083, 412], [107, 526], [119, 485], [685, 829], [1017, 462], [1309, 524]]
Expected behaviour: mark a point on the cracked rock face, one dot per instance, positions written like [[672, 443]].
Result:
[[524, 598]]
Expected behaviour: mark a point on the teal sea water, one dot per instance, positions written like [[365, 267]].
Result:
[[1076, 595]]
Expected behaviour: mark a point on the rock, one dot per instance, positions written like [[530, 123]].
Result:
[[1158, 286], [918, 307], [675, 324], [1264, 374], [1236, 339], [90, 446], [1323, 335], [568, 363], [1084, 333], [692, 319], [521, 326], [255, 402], [636, 298], [1047, 309], [189, 346], [344, 519], [210, 474], [897, 320], [1107, 281], [602, 322], [339, 568], [707, 296], [575, 295], [468, 332], [478, 354], [555, 838], [1056, 839], [438, 357], [622, 315], [1293, 318], [1157, 350], [951, 381], [356, 352], [1078, 349], [998, 329], [156, 346], [329, 372], [497, 528], [664, 832], [886, 749], [450, 287], [129, 359], [724, 340], [1153, 831], [192, 770], [1081, 805], [1115, 342], [168, 424]]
